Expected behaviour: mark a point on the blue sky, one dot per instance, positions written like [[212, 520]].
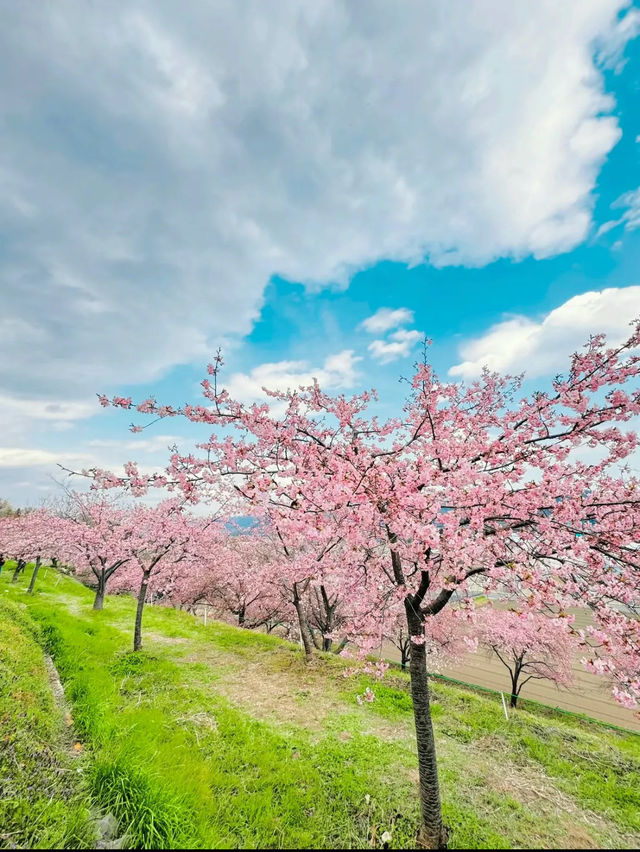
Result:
[[173, 182]]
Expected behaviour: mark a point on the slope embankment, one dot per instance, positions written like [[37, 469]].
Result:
[[217, 737]]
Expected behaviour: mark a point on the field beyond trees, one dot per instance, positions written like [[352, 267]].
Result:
[[221, 737]]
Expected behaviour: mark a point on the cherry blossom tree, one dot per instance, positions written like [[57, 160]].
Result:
[[615, 654], [249, 586], [530, 646], [447, 638], [297, 559], [26, 537], [161, 538], [326, 616], [13, 543], [38, 525], [469, 485], [94, 536], [339, 604], [21, 564], [233, 571]]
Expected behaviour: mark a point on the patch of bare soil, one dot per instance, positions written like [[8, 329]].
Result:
[[289, 695], [60, 700]]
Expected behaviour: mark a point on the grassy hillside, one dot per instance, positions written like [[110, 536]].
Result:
[[217, 737], [44, 802]]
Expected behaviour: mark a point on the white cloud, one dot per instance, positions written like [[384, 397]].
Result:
[[387, 318], [31, 462], [28, 475], [338, 372], [25, 420], [611, 52], [398, 345], [631, 216], [406, 336], [19, 457], [520, 344], [46, 409], [161, 163], [151, 444], [608, 226]]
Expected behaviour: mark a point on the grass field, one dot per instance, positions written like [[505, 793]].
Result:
[[215, 737], [44, 799]]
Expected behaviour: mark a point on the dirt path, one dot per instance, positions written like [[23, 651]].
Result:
[[73, 746], [286, 692]]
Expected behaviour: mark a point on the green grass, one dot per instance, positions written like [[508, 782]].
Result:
[[43, 798], [221, 738]]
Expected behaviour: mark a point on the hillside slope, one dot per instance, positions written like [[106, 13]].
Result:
[[44, 802], [219, 737]]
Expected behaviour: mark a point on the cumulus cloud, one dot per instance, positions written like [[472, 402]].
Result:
[[398, 345], [542, 347], [337, 373], [159, 163], [385, 319]]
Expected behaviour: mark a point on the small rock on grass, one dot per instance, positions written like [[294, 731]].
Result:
[[107, 829]]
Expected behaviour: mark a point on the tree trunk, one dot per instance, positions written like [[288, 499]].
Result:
[[241, 616], [142, 594], [20, 566], [514, 691], [405, 656], [340, 648], [98, 602], [432, 833], [34, 576], [329, 617], [302, 622]]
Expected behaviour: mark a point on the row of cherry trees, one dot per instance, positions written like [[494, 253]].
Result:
[[186, 563], [366, 524], [525, 496], [106, 545]]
